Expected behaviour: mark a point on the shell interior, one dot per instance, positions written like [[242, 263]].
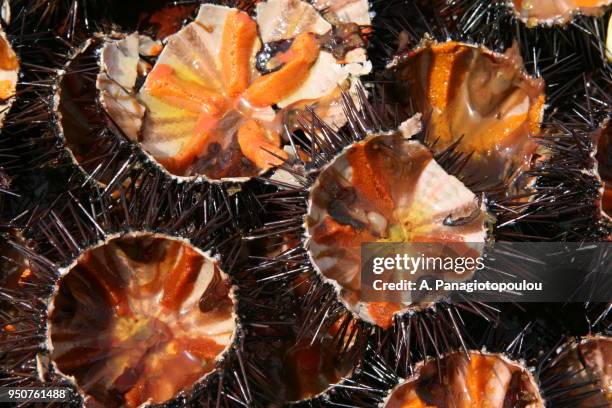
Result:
[[222, 89], [386, 188], [482, 100], [139, 319]]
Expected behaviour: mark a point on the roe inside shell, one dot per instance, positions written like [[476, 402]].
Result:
[[482, 100], [385, 189], [139, 319]]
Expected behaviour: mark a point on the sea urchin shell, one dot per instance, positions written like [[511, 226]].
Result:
[[482, 98], [384, 189], [139, 319], [220, 93]]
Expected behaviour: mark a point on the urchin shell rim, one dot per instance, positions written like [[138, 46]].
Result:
[[573, 343], [223, 356], [306, 238]]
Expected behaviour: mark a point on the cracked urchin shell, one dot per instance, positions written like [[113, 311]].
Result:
[[206, 108]]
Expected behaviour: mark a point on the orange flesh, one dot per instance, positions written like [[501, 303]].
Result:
[[164, 84], [587, 3], [258, 141], [270, 89], [178, 284], [161, 346], [374, 193], [239, 36], [25, 276], [203, 348], [578, 3], [482, 98], [382, 313], [258, 147], [7, 89], [8, 58], [196, 144], [536, 12], [368, 178], [444, 69], [477, 377], [441, 75]]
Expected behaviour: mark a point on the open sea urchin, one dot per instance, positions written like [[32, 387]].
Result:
[[386, 188], [139, 319], [483, 99], [212, 99]]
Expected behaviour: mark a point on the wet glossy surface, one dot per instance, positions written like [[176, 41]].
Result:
[[384, 189], [140, 319], [482, 99], [222, 88], [482, 381]]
